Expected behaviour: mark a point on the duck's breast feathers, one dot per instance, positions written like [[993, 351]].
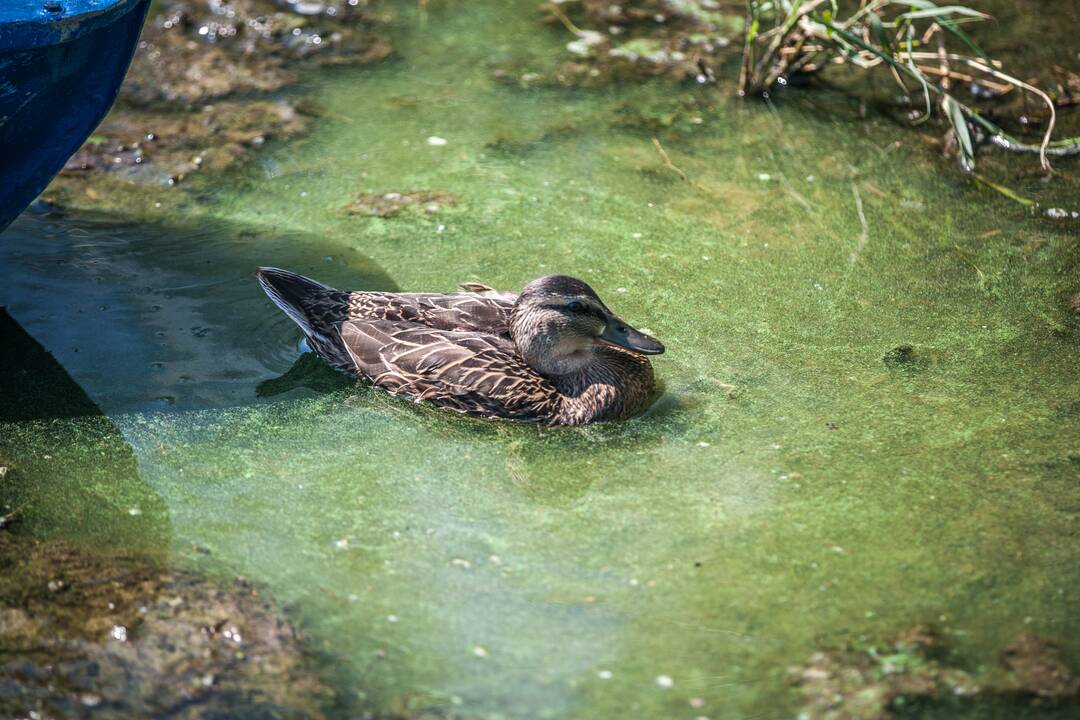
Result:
[[470, 372], [469, 311]]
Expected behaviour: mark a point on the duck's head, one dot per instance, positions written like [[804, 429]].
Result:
[[558, 322]]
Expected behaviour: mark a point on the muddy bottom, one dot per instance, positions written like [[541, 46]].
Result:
[[86, 635]]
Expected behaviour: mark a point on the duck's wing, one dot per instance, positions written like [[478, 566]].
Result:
[[489, 292], [470, 372], [487, 312]]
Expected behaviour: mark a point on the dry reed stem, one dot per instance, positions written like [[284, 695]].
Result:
[[667, 160]]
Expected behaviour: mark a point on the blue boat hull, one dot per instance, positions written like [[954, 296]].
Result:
[[60, 71]]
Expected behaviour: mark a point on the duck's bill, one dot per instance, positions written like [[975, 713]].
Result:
[[622, 335]]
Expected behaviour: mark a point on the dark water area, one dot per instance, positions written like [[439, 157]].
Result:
[[159, 317]]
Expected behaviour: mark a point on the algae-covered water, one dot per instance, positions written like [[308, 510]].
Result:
[[870, 415]]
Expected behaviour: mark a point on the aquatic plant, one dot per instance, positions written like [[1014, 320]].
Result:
[[910, 38]]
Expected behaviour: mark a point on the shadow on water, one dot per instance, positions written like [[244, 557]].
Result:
[[164, 316], [103, 319], [67, 474], [309, 371], [79, 476]]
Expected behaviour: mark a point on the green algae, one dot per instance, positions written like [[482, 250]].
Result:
[[65, 465], [799, 484]]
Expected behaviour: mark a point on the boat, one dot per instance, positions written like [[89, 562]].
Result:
[[61, 65]]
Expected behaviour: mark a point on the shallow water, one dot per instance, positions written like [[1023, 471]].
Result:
[[798, 485]]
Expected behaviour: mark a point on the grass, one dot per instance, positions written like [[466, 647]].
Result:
[[911, 39]]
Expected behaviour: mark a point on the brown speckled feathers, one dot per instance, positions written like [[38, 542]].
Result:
[[471, 372]]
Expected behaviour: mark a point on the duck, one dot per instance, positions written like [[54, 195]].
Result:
[[553, 354]]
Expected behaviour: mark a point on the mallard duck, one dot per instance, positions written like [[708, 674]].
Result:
[[553, 354]]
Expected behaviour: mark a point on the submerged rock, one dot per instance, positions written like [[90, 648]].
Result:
[[847, 684], [87, 635], [195, 96], [873, 683], [198, 50], [160, 147], [1035, 667]]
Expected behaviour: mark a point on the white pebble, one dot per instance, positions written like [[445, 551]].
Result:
[[119, 632]]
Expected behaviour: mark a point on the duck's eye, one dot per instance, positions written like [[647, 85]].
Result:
[[574, 306]]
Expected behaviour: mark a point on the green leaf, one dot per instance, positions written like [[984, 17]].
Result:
[[1011, 194], [880, 35], [946, 22], [963, 135], [943, 13], [922, 79]]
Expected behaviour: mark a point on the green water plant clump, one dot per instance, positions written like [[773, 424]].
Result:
[[392, 203], [925, 48], [164, 147], [620, 41]]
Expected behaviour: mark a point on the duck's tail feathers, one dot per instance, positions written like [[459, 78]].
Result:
[[299, 297], [318, 309]]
